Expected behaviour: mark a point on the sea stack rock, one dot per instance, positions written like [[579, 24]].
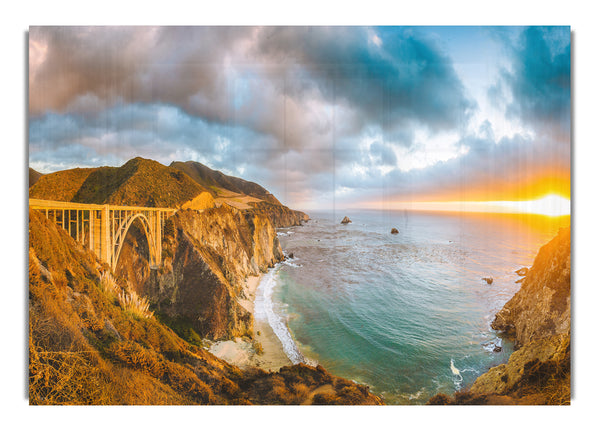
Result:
[[394, 230], [346, 220]]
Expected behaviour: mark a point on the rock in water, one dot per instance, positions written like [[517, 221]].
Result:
[[523, 271], [346, 220], [488, 280], [394, 230]]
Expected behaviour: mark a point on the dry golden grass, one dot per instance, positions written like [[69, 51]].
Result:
[[88, 347], [109, 284], [135, 304]]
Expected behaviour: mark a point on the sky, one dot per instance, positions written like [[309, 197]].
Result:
[[371, 117]]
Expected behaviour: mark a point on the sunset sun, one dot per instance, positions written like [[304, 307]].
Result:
[[550, 205]]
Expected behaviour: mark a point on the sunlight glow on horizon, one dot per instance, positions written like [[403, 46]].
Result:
[[551, 205]]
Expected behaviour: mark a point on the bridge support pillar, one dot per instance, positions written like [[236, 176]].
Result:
[[105, 245]]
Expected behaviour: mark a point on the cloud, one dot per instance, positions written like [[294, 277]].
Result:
[[209, 72], [539, 81], [307, 112], [404, 77], [516, 168]]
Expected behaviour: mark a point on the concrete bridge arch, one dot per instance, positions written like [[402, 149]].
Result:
[[103, 228]]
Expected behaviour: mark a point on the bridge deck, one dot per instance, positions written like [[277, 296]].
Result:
[[45, 204]]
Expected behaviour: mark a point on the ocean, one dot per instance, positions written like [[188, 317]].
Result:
[[407, 314]]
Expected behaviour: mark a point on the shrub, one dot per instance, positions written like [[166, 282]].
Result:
[[109, 284], [135, 304]]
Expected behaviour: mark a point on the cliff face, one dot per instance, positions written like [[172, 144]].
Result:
[[280, 215], [208, 253], [538, 318], [87, 345], [207, 257], [542, 307]]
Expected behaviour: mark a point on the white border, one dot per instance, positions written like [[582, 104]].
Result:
[[17, 16]]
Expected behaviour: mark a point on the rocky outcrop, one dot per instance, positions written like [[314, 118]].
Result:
[[542, 307], [394, 231], [207, 257], [280, 215], [550, 354], [522, 272], [538, 319], [346, 220]]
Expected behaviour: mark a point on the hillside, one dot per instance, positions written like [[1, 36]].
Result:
[[144, 182], [34, 176], [241, 194], [215, 180], [538, 319], [92, 340], [139, 182], [61, 185]]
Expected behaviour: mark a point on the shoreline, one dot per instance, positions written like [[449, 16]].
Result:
[[241, 351]]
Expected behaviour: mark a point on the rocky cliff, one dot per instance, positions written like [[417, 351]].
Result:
[[210, 247], [93, 341], [207, 257], [538, 319], [280, 216], [542, 307]]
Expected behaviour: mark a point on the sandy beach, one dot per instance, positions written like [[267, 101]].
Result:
[[241, 352]]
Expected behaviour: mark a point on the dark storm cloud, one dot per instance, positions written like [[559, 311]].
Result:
[[388, 75], [132, 64], [540, 78], [206, 72]]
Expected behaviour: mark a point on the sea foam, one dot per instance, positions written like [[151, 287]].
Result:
[[264, 310]]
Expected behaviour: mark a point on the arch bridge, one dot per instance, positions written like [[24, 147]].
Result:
[[103, 228]]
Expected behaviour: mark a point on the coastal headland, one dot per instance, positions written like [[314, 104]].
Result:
[[95, 335], [538, 320]]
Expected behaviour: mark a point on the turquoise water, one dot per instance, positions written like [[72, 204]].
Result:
[[406, 314]]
